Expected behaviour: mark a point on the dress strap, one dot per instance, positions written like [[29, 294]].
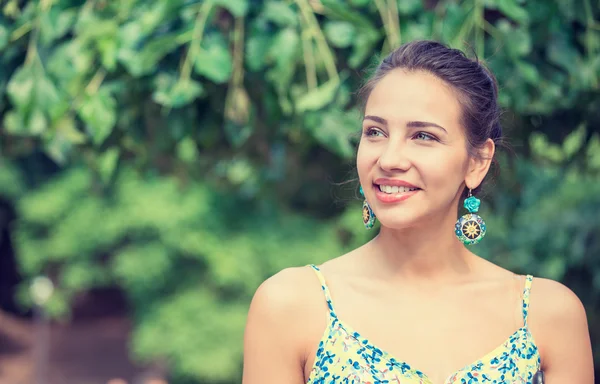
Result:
[[325, 289], [526, 292]]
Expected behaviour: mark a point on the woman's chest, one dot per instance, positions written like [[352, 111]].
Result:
[[438, 336], [344, 355]]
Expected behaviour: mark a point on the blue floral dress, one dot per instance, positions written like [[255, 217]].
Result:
[[345, 357]]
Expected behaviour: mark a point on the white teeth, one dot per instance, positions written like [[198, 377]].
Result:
[[395, 189]]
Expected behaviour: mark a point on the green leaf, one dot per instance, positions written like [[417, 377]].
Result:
[[21, 87], [364, 45], [13, 123], [69, 63], [109, 50], [334, 130], [574, 141], [543, 149], [451, 23], [214, 60], [415, 31], [144, 60], [98, 112], [37, 122], [47, 95], [280, 13], [409, 7], [562, 53], [338, 11], [360, 3], [187, 150], [238, 134], [529, 72], [257, 48], [284, 53], [58, 148], [55, 23], [11, 180], [4, 36], [341, 34], [238, 8], [593, 153], [67, 127], [554, 268], [318, 97], [107, 164], [284, 47], [30, 89], [517, 39], [513, 10], [174, 93], [239, 171], [33, 124]]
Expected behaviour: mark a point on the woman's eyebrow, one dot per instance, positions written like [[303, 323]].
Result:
[[410, 124], [424, 124], [376, 119]]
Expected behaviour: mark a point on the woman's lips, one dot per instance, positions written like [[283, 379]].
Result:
[[392, 197]]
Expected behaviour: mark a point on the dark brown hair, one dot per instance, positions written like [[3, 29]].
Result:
[[475, 85]]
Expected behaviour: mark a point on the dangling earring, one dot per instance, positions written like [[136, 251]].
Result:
[[470, 228], [367, 213]]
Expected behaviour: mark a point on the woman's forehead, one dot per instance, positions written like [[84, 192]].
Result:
[[407, 95]]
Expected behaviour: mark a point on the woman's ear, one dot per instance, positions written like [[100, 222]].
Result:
[[480, 165]]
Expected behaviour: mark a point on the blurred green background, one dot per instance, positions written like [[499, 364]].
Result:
[[182, 151]]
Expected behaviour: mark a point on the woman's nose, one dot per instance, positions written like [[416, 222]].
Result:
[[394, 158]]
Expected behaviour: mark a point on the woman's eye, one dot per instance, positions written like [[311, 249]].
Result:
[[373, 132], [424, 136]]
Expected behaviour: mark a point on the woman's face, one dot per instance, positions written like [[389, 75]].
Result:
[[412, 158]]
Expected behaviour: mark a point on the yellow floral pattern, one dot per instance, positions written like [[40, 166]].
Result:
[[345, 357]]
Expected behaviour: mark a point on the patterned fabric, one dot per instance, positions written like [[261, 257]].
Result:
[[345, 357]]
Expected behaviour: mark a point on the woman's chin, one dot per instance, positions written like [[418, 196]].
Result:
[[395, 224]]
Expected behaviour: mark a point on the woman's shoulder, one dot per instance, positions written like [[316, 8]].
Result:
[[289, 308], [294, 296], [558, 322], [290, 289], [553, 302]]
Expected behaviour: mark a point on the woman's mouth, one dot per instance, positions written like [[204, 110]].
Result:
[[393, 193], [393, 189]]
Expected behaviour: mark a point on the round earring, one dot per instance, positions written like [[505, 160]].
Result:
[[367, 213], [470, 228]]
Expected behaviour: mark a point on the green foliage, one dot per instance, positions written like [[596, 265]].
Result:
[[190, 135], [188, 257]]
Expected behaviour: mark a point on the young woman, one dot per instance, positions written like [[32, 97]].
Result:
[[414, 305]]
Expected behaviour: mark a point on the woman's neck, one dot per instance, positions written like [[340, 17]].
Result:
[[428, 252]]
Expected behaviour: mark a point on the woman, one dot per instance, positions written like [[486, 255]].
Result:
[[414, 305]]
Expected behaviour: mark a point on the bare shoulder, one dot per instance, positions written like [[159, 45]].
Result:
[[289, 301], [284, 315], [553, 302], [558, 322], [288, 290]]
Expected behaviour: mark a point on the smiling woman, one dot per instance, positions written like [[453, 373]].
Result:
[[423, 308]]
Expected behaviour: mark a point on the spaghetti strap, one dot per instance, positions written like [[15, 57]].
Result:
[[325, 289], [526, 292]]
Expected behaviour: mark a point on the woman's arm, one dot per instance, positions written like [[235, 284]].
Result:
[[272, 343], [559, 325]]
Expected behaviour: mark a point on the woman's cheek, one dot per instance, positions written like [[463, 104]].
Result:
[[364, 157]]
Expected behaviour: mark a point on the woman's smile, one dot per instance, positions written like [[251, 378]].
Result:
[[393, 190], [397, 194]]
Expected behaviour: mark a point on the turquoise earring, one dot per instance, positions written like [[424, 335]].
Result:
[[367, 213], [470, 228]]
